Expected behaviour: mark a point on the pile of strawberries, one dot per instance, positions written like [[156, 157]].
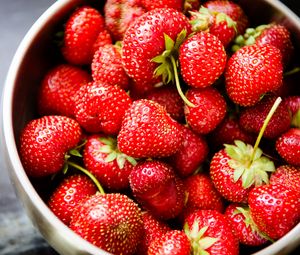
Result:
[[171, 127]]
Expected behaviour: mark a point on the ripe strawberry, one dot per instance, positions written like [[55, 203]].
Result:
[[119, 14], [206, 49], [191, 154], [157, 188], [100, 107], [81, 32], [102, 158], [151, 5], [112, 222], [252, 118], [107, 67], [209, 231], [251, 72], [173, 242], [148, 131], [288, 146], [243, 226], [44, 143], [293, 104], [275, 209], [209, 110], [68, 194], [56, 94], [103, 39]]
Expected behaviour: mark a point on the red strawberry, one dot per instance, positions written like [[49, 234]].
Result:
[[202, 60], [56, 95], [119, 14], [243, 226], [100, 107], [209, 231], [81, 32], [175, 4], [148, 131], [275, 209], [288, 146], [103, 39], [112, 222], [252, 118], [251, 72], [68, 194], [191, 154], [111, 167], [209, 110], [107, 67], [293, 104], [173, 242], [156, 187], [44, 143]]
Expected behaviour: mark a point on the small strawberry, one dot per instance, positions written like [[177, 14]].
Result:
[[157, 188], [112, 222], [293, 104], [148, 131], [173, 242], [68, 194], [100, 107], [275, 209], [288, 146], [209, 232], [251, 72], [191, 154], [58, 88], [44, 143], [202, 60], [102, 158], [209, 110], [151, 5], [81, 32], [107, 66], [103, 39]]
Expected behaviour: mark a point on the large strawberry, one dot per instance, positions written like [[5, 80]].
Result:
[[112, 222], [253, 71], [44, 143], [100, 107], [58, 88], [157, 188], [148, 131]]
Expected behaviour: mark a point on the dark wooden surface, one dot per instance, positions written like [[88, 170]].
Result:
[[17, 235]]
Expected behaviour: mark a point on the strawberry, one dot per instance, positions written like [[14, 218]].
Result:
[[275, 209], [173, 242], [81, 32], [151, 5], [252, 118], [243, 226], [119, 14], [209, 232], [107, 66], [68, 194], [148, 131], [251, 72], [191, 154], [44, 143], [103, 38], [191, 5], [102, 158], [288, 146], [206, 49], [100, 107], [56, 93], [293, 104], [209, 110], [157, 188], [112, 222]]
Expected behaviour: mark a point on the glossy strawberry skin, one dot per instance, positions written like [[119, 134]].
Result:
[[293, 103], [103, 39], [251, 72], [44, 143], [209, 110], [151, 5], [100, 107], [157, 188], [148, 131], [112, 222], [58, 88], [68, 195]]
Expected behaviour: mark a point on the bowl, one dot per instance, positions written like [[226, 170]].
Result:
[[33, 58]]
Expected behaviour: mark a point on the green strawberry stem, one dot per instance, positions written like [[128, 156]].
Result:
[[293, 71]]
